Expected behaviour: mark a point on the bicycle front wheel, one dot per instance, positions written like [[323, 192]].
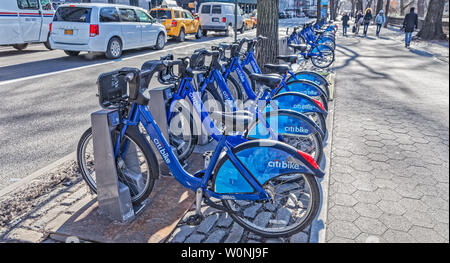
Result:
[[295, 201], [324, 56]]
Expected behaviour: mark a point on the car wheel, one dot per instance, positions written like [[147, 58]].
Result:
[[47, 43], [114, 49], [182, 36], [199, 33], [242, 29], [204, 33], [72, 53], [160, 42], [20, 46]]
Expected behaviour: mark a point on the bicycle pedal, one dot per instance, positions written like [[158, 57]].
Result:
[[194, 220]]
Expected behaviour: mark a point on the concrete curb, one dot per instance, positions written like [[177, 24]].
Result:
[[35, 175], [319, 225]]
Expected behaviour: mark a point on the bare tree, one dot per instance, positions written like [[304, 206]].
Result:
[[359, 5], [319, 10], [268, 27], [379, 6], [432, 27], [386, 12]]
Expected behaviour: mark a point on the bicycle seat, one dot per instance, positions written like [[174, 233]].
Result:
[[234, 121], [270, 81], [289, 58], [280, 69], [319, 31], [299, 47]]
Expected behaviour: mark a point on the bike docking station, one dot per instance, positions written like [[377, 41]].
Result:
[[111, 217]]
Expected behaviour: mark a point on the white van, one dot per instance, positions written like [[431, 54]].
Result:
[[107, 28], [25, 21], [219, 17]]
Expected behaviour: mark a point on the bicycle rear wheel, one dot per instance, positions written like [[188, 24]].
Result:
[[294, 204], [324, 58]]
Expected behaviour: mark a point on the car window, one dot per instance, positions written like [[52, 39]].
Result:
[[28, 4], [73, 14], [216, 9], [128, 15], [188, 15], [176, 14], [161, 13], [46, 5], [229, 10], [109, 14], [206, 9], [143, 17]]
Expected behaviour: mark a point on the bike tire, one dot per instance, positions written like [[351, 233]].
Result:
[[235, 89], [133, 134], [315, 59], [319, 79]]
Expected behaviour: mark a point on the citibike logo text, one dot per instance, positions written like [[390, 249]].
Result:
[[304, 107], [162, 151], [284, 165], [298, 130]]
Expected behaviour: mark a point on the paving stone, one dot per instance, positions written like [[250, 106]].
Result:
[[344, 213], [195, 238], [425, 235], [181, 233], [370, 225], [443, 230], [344, 229], [207, 224], [235, 234], [366, 197], [419, 218], [225, 220], [441, 216], [343, 188], [299, 238], [413, 204], [252, 210], [24, 235], [274, 240], [395, 236], [364, 185], [388, 194], [391, 207], [435, 202], [262, 219], [396, 222], [344, 199], [368, 210], [216, 236], [253, 241]]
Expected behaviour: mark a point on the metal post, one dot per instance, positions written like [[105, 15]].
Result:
[[236, 2], [114, 199]]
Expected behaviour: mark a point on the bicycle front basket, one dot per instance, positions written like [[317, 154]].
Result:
[[112, 88]]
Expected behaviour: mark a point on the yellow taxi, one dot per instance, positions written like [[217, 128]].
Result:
[[178, 22], [249, 22]]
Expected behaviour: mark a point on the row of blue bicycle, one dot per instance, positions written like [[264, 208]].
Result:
[[269, 131]]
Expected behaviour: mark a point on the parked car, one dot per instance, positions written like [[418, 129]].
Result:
[[24, 22], [282, 15], [107, 28], [178, 22], [219, 17], [249, 22]]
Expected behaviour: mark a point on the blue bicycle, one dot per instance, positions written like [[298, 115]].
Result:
[[268, 177]]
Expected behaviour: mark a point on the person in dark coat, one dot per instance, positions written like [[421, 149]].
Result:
[[358, 21], [367, 18], [410, 23], [345, 19]]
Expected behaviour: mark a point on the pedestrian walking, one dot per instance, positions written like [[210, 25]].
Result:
[[380, 20], [410, 23], [358, 21], [367, 18], [345, 19]]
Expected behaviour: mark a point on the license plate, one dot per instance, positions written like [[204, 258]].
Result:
[[68, 32], [215, 19]]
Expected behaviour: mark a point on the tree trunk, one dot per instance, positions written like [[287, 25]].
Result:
[[386, 12], [353, 7], [369, 4], [268, 27], [359, 5], [332, 10], [319, 10], [432, 27], [379, 6], [421, 8]]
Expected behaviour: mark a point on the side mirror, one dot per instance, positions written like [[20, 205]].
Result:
[[153, 20]]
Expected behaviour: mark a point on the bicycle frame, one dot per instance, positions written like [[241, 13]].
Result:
[[141, 114]]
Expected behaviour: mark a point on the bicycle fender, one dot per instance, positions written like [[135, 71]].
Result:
[[308, 75], [297, 102], [282, 122], [306, 87], [264, 160]]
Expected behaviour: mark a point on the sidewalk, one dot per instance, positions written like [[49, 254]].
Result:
[[389, 177]]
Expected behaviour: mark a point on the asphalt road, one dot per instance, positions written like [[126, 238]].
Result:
[[47, 98]]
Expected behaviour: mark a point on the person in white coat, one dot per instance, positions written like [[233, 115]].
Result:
[[380, 20]]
